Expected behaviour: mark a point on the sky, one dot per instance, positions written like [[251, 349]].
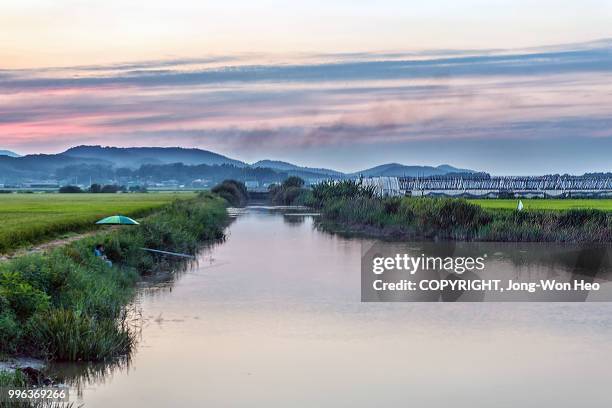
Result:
[[509, 87]]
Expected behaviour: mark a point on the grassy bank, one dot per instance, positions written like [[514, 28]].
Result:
[[31, 218], [348, 207], [70, 305]]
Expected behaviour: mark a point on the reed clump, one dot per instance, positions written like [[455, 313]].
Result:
[[348, 206]]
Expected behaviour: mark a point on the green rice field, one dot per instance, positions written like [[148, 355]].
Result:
[[546, 204], [27, 219]]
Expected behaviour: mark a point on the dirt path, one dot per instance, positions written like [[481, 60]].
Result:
[[46, 246]]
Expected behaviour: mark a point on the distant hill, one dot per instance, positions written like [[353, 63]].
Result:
[[110, 164], [295, 170], [450, 169], [8, 153], [134, 157], [39, 166], [400, 170]]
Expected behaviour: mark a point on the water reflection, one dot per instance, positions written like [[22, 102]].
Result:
[[152, 286], [80, 376], [294, 219], [273, 317]]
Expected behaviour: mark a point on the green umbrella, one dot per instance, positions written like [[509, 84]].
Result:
[[117, 220]]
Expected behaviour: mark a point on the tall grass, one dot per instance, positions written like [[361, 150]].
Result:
[[13, 379], [69, 305], [71, 335], [335, 190], [348, 206]]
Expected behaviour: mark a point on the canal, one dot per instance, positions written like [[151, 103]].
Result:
[[273, 317]]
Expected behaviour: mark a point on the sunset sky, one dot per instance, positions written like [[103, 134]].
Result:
[[510, 87]]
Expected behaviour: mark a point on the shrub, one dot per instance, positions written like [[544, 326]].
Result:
[[10, 332], [290, 192], [288, 196], [23, 299], [138, 189], [234, 192], [293, 181], [112, 188], [95, 188], [47, 274], [70, 189]]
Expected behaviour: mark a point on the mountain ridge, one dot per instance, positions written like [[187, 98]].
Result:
[[9, 153], [85, 162], [400, 170], [286, 166], [136, 156], [133, 157]]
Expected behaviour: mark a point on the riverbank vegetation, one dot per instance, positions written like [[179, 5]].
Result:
[[234, 192], [28, 219], [70, 305], [290, 192], [349, 207]]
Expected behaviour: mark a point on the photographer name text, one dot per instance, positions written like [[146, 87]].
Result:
[[495, 285]]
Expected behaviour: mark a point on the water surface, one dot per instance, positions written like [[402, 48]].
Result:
[[272, 317]]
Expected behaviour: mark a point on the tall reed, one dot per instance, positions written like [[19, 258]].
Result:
[[348, 206]]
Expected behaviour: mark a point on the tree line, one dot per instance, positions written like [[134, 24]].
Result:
[[99, 188]]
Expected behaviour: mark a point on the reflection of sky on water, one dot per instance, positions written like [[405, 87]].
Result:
[[280, 321]]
